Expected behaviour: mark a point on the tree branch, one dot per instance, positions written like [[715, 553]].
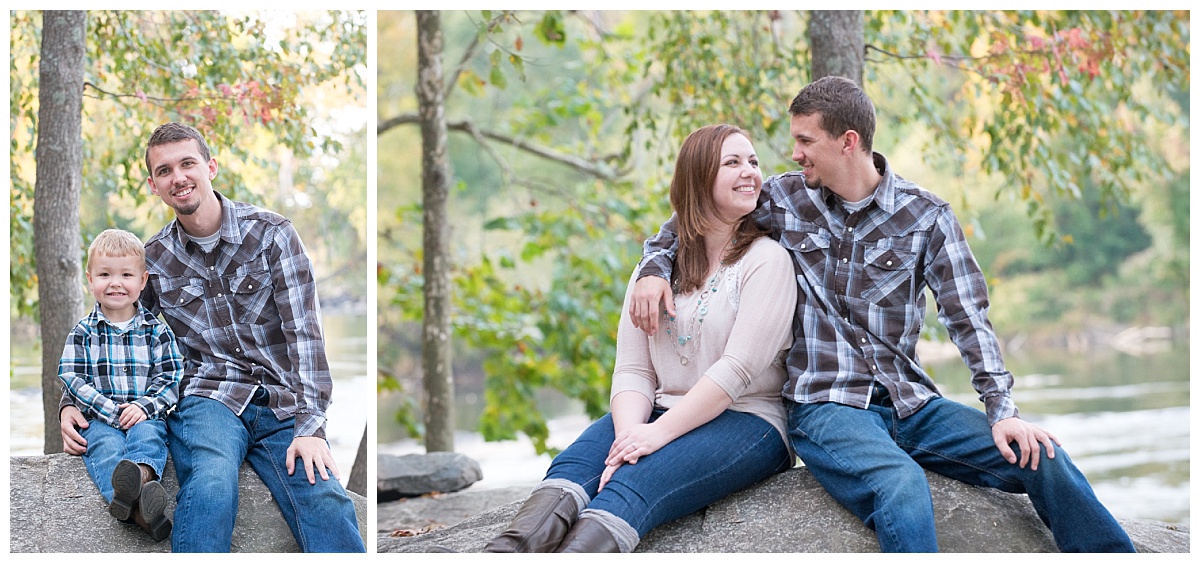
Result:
[[589, 167], [470, 52], [156, 99]]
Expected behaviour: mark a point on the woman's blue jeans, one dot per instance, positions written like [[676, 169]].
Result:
[[208, 444], [145, 442], [730, 452], [871, 462]]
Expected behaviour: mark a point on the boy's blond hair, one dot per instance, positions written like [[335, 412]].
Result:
[[116, 243]]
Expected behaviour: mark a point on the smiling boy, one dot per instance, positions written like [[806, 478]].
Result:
[[121, 367]]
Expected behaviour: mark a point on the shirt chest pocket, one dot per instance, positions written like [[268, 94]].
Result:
[[251, 294], [181, 301], [888, 276], [809, 251], [181, 298]]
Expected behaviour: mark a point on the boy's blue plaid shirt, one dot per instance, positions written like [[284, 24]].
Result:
[[103, 366]]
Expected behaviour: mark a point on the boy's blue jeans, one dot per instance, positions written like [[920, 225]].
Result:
[[145, 442], [208, 444], [731, 452], [871, 461]]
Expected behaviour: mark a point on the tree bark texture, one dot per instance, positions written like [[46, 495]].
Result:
[[59, 168], [435, 180], [837, 45]]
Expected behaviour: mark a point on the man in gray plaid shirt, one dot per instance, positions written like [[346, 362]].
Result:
[[236, 286], [862, 413]]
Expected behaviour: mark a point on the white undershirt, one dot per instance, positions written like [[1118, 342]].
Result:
[[124, 325], [207, 243], [854, 207]]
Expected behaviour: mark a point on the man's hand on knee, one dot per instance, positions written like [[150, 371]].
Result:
[[315, 455], [1029, 440]]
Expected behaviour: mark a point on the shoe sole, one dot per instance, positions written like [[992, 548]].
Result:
[[153, 504], [127, 487]]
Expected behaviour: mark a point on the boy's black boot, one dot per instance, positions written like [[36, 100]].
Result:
[[127, 487], [150, 513]]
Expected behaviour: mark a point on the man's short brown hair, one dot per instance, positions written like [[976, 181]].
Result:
[[842, 105], [174, 132]]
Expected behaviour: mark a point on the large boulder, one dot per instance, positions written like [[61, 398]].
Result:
[[413, 475], [55, 508], [792, 513]]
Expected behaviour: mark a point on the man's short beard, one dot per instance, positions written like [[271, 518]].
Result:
[[192, 209]]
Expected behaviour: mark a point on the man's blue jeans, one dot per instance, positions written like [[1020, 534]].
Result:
[[731, 452], [145, 442], [871, 462], [208, 443]]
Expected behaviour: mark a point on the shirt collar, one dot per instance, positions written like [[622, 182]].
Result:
[[229, 230], [140, 317], [884, 195]]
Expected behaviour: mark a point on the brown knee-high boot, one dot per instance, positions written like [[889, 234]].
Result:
[[589, 535], [539, 525]]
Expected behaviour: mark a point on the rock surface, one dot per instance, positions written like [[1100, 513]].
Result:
[[414, 475], [792, 513], [408, 516], [55, 508]]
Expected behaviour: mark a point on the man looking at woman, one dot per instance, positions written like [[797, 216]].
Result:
[[863, 415]]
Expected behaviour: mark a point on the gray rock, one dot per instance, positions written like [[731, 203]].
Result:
[[55, 508], [792, 513], [436, 511], [414, 475]]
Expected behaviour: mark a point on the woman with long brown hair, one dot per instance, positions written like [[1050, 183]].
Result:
[[696, 408]]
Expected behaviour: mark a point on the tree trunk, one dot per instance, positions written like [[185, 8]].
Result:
[[435, 179], [56, 239], [837, 46], [358, 472]]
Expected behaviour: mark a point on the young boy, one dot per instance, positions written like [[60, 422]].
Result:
[[121, 368]]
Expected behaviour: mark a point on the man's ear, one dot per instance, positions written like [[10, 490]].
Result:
[[850, 140], [153, 188]]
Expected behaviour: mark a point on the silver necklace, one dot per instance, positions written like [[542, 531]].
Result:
[[695, 327]]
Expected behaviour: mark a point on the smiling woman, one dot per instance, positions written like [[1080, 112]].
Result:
[[695, 405]]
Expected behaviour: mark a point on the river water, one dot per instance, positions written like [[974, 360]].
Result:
[[346, 349], [1124, 419]]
